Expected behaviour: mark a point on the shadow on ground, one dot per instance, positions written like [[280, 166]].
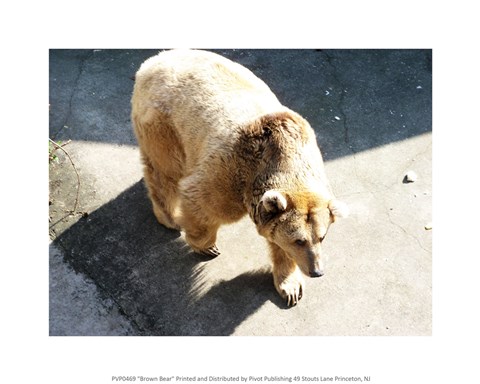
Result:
[[135, 260]]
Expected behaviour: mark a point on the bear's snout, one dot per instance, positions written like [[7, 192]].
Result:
[[315, 264], [316, 273]]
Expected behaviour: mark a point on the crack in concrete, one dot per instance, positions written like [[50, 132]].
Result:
[[372, 193], [74, 91], [342, 113], [408, 233], [346, 137]]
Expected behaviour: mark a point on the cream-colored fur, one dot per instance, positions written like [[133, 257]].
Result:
[[217, 144]]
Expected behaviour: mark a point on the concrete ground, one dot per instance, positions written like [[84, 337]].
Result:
[[115, 271]]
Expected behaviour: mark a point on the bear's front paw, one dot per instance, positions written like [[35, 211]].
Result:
[[291, 288]]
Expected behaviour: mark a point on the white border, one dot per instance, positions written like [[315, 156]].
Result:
[[30, 355]]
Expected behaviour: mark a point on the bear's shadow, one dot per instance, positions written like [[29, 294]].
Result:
[[153, 276]]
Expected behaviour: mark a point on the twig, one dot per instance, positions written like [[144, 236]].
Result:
[[74, 168], [57, 146], [50, 154]]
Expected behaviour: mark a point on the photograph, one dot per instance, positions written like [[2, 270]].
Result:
[[240, 192]]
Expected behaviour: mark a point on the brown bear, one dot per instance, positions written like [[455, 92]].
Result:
[[217, 144]]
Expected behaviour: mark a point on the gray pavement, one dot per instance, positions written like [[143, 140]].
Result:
[[115, 271]]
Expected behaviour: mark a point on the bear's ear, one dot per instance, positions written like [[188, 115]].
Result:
[[338, 208], [274, 202], [270, 205]]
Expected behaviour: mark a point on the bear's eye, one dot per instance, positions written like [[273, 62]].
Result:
[[301, 242]]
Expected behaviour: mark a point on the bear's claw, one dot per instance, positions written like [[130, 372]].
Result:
[[293, 298], [210, 252], [291, 287]]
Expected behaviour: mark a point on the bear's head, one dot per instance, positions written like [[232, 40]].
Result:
[[297, 222]]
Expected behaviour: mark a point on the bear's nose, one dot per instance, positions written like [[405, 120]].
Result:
[[316, 273]]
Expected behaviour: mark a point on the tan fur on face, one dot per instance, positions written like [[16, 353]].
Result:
[[306, 219], [214, 139]]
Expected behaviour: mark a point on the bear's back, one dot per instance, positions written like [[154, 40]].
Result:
[[204, 93]]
